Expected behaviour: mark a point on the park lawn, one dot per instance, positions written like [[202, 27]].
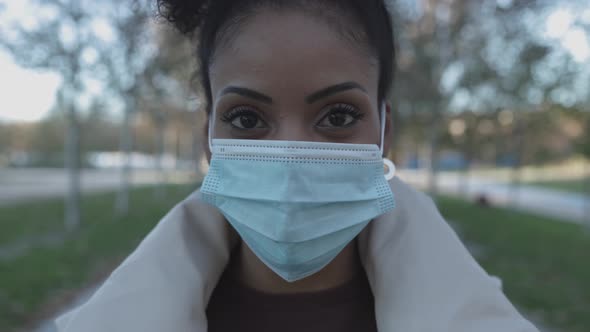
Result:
[[578, 186], [29, 281], [26, 220], [543, 262]]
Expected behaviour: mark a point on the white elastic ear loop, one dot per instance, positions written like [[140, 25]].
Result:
[[382, 128], [390, 169], [388, 163], [210, 131]]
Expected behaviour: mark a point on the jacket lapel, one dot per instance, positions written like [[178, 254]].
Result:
[[422, 277], [165, 284]]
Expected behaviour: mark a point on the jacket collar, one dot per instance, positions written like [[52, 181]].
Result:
[[422, 277]]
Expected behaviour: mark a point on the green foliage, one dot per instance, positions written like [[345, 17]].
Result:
[[542, 261], [536, 137], [27, 282]]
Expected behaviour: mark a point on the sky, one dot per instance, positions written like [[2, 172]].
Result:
[[28, 95]]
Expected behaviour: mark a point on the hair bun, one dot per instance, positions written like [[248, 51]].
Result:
[[185, 15]]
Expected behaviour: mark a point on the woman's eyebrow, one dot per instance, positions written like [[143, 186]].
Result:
[[333, 89], [249, 93]]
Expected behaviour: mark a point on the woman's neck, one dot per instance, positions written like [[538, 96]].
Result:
[[255, 274]]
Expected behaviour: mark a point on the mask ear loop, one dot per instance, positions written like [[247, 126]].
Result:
[[388, 163], [210, 131]]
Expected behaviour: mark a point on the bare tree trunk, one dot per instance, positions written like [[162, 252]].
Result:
[[469, 155], [433, 160], [160, 143], [443, 38], [199, 145], [122, 206], [515, 183], [396, 130], [466, 181], [587, 205], [586, 152], [73, 215], [519, 142]]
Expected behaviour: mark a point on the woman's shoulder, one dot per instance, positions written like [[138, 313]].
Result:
[[168, 276]]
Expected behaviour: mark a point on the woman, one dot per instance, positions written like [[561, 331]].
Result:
[[296, 227]]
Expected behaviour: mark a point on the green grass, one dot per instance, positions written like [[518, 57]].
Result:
[[544, 263], [29, 219], [29, 281], [575, 186]]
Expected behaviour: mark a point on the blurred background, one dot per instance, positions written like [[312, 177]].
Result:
[[100, 135]]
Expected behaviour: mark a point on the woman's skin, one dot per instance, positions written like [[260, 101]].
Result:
[[277, 78]]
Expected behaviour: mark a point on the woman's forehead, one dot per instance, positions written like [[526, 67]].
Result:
[[278, 50]]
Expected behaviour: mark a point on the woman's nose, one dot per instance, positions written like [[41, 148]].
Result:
[[292, 129], [297, 128]]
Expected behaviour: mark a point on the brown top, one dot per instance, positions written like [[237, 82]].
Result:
[[236, 307]]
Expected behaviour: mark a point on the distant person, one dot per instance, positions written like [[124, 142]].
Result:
[[296, 226], [483, 201]]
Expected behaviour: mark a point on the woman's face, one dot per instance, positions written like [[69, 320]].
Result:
[[287, 76]]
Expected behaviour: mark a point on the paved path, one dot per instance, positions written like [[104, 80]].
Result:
[[538, 200], [18, 185]]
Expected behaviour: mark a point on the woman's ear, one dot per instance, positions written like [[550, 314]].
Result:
[[388, 135]]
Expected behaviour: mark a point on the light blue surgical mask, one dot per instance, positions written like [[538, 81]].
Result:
[[297, 204]]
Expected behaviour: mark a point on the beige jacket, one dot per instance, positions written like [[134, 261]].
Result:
[[422, 277]]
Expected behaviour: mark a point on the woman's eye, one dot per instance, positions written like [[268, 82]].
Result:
[[340, 115], [243, 119], [247, 121]]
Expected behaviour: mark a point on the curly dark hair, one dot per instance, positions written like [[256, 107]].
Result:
[[366, 22]]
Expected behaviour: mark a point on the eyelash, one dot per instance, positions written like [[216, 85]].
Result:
[[347, 109], [355, 113], [232, 114]]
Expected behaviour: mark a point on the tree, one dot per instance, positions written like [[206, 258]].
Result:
[[61, 40], [426, 50], [124, 60], [583, 147], [166, 90], [474, 56]]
